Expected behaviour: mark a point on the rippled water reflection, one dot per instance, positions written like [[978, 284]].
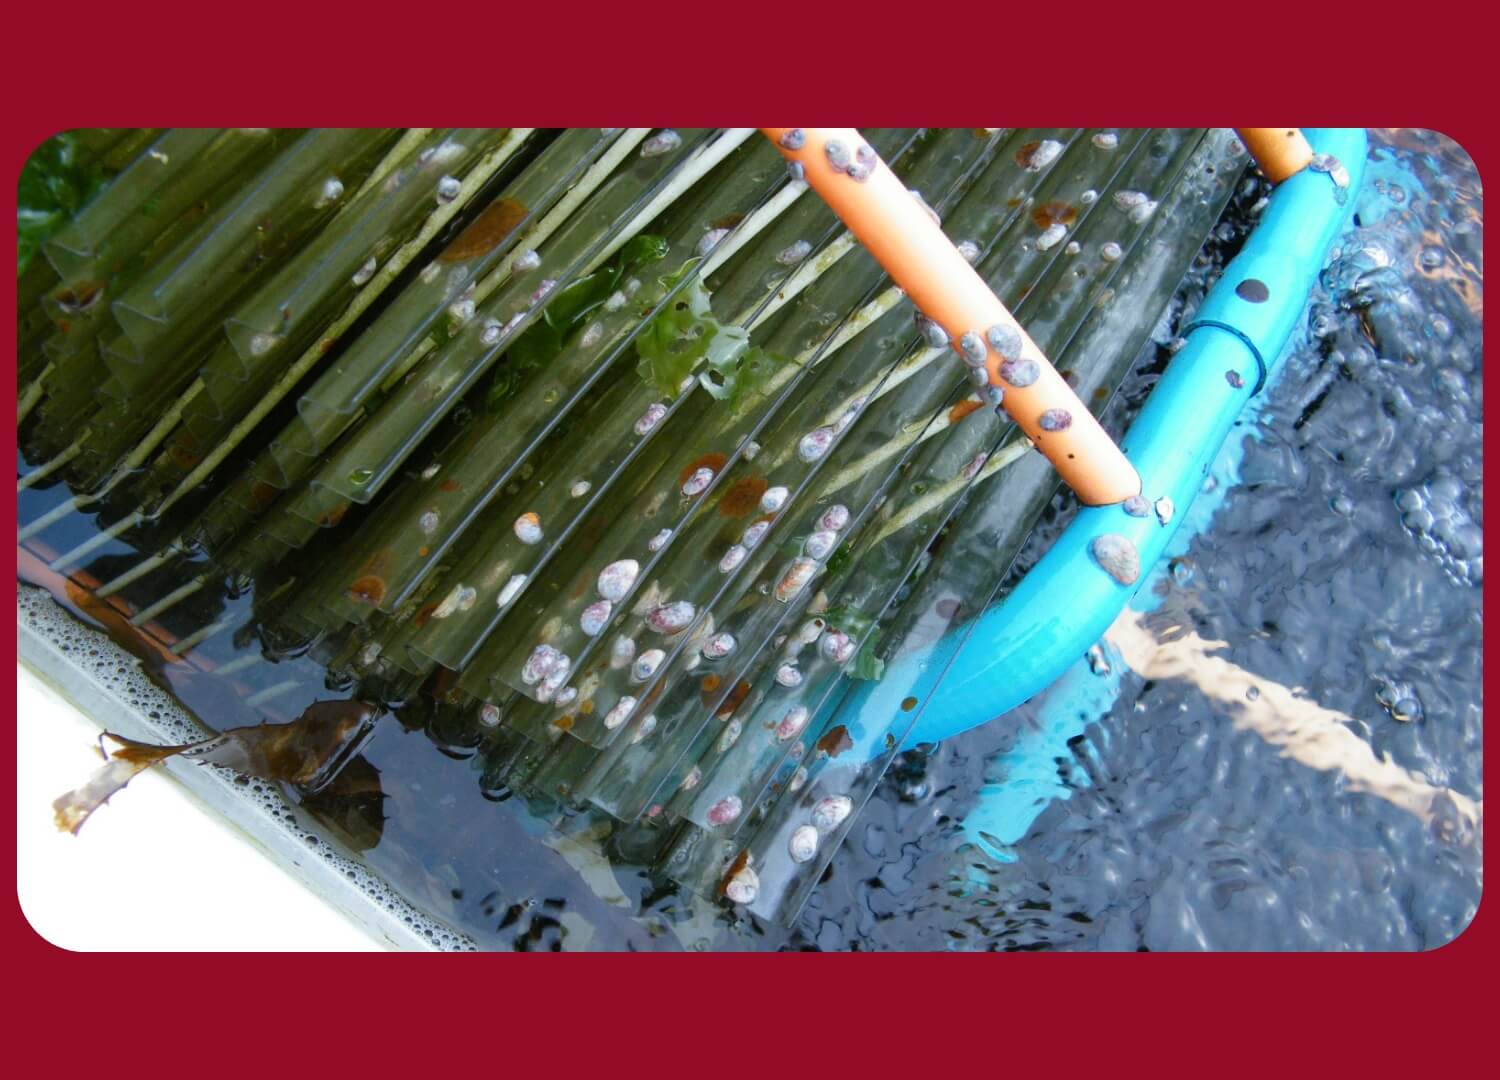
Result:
[[1344, 569]]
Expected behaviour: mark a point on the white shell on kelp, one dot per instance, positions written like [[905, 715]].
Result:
[[698, 483], [835, 517], [644, 728], [803, 845], [836, 646], [792, 723], [820, 544], [646, 664], [1020, 373], [830, 813], [616, 579], [617, 716], [528, 528], [595, 617], [754, 534], [788, 675], [671, 618], [725, 810], [815, 443], [621, 652], [650, 418], [1118, 556], [744, 887], [543, 661], [718, 646], [512, 587], [795, 579]]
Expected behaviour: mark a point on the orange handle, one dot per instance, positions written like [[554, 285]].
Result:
[[899, 232], [1280, 152]]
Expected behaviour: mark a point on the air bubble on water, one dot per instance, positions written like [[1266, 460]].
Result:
[[1406, 710]]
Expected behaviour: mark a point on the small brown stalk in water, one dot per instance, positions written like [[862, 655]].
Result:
[[299, 752]]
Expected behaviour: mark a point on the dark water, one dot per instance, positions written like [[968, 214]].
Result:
[[1345, 563]]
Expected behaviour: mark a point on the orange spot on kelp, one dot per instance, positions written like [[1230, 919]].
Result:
[[486, 232], [963, 409], [443, 681], [713, 461], [1027, 153], [1054, 213], [652, 695], [735, 699], [586, 707], [424, 615], [836, 741], [908, 704], [740, 862], [743, 496], [332, 517], [728, 221], [564, 722], [449, 484], [262, 495], [80, 297], [367, 590], [184, 457]]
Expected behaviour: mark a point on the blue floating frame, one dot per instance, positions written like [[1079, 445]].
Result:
[[1064, 604]]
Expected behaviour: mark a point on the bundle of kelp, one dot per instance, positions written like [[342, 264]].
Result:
[[613, 444]]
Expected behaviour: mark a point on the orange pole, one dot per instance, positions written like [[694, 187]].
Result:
[[1280, 152], [899, 232]]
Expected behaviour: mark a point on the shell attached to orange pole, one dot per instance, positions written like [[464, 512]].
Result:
[[900, 232], [1280, 152]]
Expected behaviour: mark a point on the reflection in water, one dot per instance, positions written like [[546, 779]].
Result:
[[1305, 731]]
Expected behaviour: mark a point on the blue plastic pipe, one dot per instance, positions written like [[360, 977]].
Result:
[[1022, 645]]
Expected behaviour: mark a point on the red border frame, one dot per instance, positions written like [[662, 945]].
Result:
[[295, 64]]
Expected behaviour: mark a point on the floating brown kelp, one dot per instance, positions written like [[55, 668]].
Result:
[[307, 752]]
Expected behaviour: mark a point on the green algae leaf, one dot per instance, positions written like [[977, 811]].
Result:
[[58, 178], [866, 664], [684, 334], [738, 376], [566, 315]]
